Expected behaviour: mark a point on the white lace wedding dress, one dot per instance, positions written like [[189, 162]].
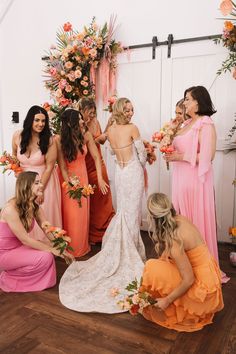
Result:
[[85, 286]]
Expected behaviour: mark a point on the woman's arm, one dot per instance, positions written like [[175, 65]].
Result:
[[186, 272], [61, 160], [11, 216], [97, 159]]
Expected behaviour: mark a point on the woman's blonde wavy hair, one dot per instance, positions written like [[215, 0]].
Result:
[[162, 224], [118, 111], [25, 199]]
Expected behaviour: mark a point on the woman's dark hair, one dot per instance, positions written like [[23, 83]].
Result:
[[201, 95], [26, 134], [72, 138]]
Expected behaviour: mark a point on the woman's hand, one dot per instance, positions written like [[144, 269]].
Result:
[[162, 303], [103, 186], [173, 156], [69, 258]]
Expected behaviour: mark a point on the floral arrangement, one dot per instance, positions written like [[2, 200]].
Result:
[[150, 149], [136, 300], [76, 190], [10, 163], [228, 38], [60, 238], [73, 64], [166, 136]]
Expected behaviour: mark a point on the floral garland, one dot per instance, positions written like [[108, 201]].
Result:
[[78, 63], [228, 38]]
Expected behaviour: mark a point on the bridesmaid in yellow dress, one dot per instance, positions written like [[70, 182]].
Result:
[[36, 150], [101, 209], [185, 279], [72, 145]]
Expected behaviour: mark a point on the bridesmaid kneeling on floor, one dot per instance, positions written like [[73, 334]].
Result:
[[185, 279], [25, 264]]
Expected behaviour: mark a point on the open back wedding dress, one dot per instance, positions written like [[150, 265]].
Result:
[[85, 286]]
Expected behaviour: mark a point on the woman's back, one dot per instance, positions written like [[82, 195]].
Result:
[[188, 232], [121, 139]]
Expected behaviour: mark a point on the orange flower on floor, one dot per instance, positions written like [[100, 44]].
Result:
[[76, 190], [232, 231], [10, 163], [135, 300]]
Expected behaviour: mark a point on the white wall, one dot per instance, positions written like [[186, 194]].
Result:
[[29, 28]]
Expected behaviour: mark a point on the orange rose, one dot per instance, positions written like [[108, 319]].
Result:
[[229, 25]]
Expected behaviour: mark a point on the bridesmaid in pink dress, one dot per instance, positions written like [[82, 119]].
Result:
[[192, 178], [36, 151], [25, 264], [72, 147]]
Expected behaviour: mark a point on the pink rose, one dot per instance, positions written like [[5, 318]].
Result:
[[226, 7], [64, 101]]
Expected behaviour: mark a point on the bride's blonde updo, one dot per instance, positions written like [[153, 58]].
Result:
[[118, 111], [162, 224]]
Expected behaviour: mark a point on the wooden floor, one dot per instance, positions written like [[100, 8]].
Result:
[[37, 323]]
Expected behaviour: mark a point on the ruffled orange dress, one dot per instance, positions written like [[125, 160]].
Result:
[[196, 308], [101, 209]]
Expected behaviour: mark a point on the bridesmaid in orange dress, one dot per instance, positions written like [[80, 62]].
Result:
[[185, 279], [72, 146], [101, 209], [36, 150]]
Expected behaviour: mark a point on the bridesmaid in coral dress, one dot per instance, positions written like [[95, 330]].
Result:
[[101, 209], [26, 264], [36, 150], [72, 148], [185, 279]]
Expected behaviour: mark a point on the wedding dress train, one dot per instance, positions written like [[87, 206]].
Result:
[[85, 286]]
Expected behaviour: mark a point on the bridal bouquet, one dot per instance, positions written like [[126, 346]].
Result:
[[136, 299], [150, 149], [76, 190], [10, 163], [111, 101], [166, 136]]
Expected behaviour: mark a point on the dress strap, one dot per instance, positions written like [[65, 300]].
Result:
[[123, 147]]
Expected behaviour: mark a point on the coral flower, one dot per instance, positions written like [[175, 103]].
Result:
[[229, 25], [67, 27]]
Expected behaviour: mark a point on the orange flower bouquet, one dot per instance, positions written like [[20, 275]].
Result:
[[166, 136], [136, 299], [60, 240], [10, 163], [150, 149], [76, 191]]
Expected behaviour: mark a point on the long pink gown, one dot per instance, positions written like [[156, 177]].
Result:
[[23, 268], [75, 218], [192, 182], [52, 194]]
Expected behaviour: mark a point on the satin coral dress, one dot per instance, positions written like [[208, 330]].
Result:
[[192, 182], [23, 268], [52, 193], [196, 308], [101, 209], [76, 219]]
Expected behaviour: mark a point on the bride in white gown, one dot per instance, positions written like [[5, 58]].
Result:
[[85, 286]]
